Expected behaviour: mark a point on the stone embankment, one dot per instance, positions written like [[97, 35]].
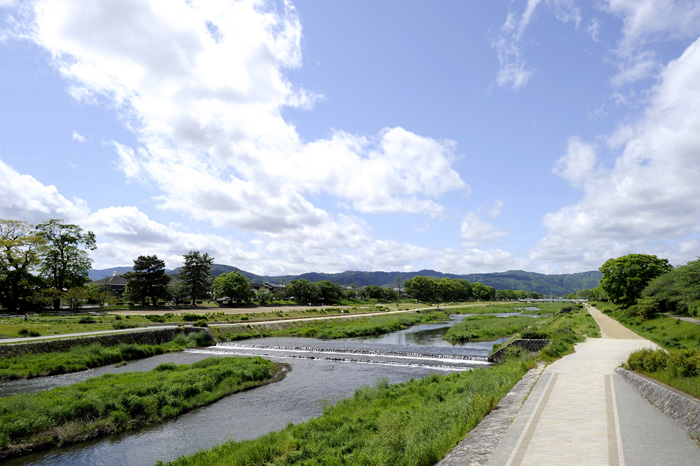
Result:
[[678, 406], [531, 345], [145, 337]]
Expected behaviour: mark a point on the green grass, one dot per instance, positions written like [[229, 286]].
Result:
[[486, 328], [665, 331], [413, 423], [118, 402], [87, 357], [679, 368], [329, 329], [676, 365]]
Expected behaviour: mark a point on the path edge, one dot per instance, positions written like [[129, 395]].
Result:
[[682, 408], [480, 443]]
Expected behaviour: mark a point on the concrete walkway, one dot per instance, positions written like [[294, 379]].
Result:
[[581, 412]]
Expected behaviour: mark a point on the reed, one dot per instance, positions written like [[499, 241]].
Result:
[[485, 328]]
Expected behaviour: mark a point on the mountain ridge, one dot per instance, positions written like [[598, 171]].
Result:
[[556, 284]]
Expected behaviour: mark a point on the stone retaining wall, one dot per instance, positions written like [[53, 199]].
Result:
[[678, 406], [530, 345], [141, 337]]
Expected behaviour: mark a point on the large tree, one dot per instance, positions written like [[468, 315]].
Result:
[[20, 248], [625, 278], [65, 262], [196, 274], [233, 286], [148, 280]]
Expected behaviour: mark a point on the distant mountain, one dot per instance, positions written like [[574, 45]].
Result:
[[561, 284]]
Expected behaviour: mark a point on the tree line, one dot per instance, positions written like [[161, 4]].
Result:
[[46, 266]]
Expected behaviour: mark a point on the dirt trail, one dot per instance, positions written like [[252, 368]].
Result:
[[610, 328]]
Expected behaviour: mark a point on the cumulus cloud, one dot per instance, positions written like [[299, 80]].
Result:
[[474, 230], [646, 23], [474, 260], [202, 85], [26, 198], [648, 200], [577, 165]]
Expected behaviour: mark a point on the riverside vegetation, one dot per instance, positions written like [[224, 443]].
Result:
[[677, 363], [416, 422], [86, 357], [118, 402]]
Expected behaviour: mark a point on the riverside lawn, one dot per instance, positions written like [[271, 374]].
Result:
[[119, 402]]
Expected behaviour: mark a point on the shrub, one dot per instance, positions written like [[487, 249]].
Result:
[[187, 317], [685, 362], [647, 360], [87, 320], [155, 318]]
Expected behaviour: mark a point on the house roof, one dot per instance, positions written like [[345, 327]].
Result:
[[114, 280]]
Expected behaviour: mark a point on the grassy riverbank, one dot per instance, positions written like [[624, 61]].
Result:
[[118, 402], [416, 422], [486, 328], [87, 357], [329, 329], [678, 363]]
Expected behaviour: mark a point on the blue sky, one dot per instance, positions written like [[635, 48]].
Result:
[[289, 137]]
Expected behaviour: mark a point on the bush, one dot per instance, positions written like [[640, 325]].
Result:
[[187, 317], [87, 320], [155, 318], [648, 360], [685, 362]]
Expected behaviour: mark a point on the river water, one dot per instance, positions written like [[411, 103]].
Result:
[[321, 371]]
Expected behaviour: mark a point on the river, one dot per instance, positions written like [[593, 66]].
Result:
[[321, 371]]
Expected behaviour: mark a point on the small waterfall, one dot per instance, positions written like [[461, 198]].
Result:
[[423, 359]]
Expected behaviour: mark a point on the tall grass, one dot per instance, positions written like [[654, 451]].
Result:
[[117, 402], [484, 328], [413, 423], [329, 329], [87, 357]]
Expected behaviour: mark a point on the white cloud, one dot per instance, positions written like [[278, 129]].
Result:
[[496, 208], [513, 72], [202, 85], [648, 200], [578, 164], [78, 137], [645, 23], [25, 198], [474, 230], [463, 261]]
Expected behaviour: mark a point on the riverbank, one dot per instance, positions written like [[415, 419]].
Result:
[[119, 402]]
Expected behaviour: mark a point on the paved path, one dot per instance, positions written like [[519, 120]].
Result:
[[581, 412]]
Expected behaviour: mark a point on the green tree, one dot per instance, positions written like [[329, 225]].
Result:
[[234, 286], [421, 288], [482, 292], [65, 262], [304, 291], [20, 248], [330, 293], [147, 281], [179, 291], [74, 297], [676, 291], [625, 278], [196, 274], [96, 295]]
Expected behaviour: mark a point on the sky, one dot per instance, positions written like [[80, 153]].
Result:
[[285, 137]]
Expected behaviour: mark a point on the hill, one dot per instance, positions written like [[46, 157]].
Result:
[[558, 285]]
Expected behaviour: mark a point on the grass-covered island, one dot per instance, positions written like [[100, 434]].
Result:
[[79, 358], [119, 402]]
